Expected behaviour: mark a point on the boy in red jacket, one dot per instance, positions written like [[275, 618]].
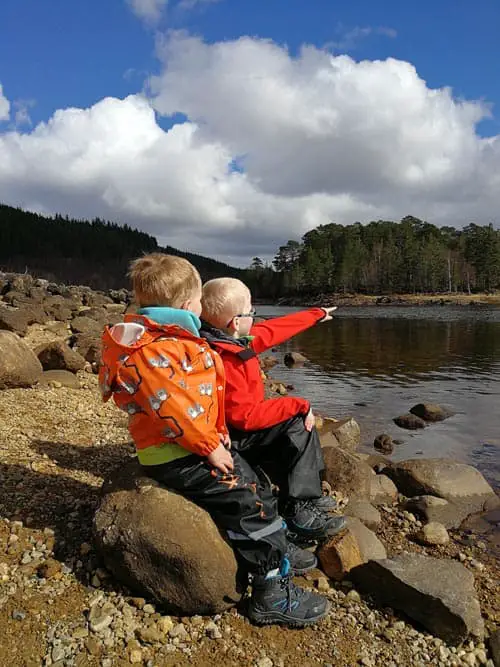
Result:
[[277, 433]]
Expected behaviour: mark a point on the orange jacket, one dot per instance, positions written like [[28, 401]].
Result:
[[170, 384]]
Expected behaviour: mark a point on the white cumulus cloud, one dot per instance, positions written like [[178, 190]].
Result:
[[149, 11], [273, 146], [4, 106]]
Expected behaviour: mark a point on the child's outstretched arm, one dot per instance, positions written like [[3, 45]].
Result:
[[279, 329]]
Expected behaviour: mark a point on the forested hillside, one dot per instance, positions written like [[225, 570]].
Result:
[[411, 256], [94, 253]]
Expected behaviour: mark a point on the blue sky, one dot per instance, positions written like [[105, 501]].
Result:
[[69, 53], [65, 53]]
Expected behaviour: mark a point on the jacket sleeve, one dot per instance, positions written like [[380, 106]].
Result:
[[245, 413], [190, 431], [276, 331]]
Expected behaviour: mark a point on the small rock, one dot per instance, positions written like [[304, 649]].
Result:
[[430, 412], [410, 422], [354, 596], [148, 609], [165, 624], [135, 656], [264, 662], [294, 358], [322, 585], [18, 615], [383, 443], [212, 631], [434, 534]]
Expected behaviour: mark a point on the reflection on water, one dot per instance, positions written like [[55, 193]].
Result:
[[375, 363]]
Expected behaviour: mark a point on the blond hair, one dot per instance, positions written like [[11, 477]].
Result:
[[222, 299], [163, 280]]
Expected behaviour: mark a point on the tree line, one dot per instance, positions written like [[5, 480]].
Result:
[[382, 257], [94, 253]]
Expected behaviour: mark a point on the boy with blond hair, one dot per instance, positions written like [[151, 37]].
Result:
[[163, 374], [277, 433]]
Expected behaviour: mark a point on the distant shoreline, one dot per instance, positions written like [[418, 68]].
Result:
[[471, 300]]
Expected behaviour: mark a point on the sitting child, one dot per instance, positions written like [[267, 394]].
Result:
[[277, 431], [159, 371]]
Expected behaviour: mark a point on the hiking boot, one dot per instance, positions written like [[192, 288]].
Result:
[[278, 600], [325, 503], [306, 522], [301, 560]]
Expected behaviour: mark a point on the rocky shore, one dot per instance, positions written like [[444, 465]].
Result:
[[410, 583], [450, 299]]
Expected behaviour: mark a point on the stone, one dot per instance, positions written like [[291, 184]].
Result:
[[267, 362], [14, 320], [495, 647], [434, 509], [347, 433], [58, 379], [346, 472], [327, 439], [86, 325], [294, 358], [88, 346], [59, 308], [364, 511], [383, 491], [383, 443], [458, 483], [409, 421], [438, 593], [163, 546], [344, 552], [433, 533], [20, 367], [430, 412], [59, 356]]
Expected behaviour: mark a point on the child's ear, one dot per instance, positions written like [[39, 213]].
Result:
[[186, 305]]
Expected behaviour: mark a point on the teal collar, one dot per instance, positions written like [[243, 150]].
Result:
[[165, 315]]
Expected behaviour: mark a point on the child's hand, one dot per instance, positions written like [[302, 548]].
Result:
[[221, 459], [328, 313], [309, 421], [225, 440]]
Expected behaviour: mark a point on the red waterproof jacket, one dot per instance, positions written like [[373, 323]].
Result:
[[246, 407]]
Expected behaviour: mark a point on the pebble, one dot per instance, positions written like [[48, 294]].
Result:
[[135, 656], [148, 609], [353, 596], [18, 615], [264, 662], [212, 631]]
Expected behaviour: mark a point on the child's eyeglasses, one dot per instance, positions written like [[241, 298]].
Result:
[[252, 313]]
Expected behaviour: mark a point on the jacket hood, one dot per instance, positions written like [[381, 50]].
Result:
[[216, 337], [121, 340]]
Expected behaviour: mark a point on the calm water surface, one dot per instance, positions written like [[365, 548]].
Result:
[[374, 363]]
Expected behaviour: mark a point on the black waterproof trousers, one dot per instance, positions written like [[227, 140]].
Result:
[[241, 503], [288, 453]]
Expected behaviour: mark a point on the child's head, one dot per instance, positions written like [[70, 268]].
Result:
[[166, 280], [227, 304]]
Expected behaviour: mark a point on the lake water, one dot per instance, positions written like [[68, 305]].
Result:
[[375, 363]]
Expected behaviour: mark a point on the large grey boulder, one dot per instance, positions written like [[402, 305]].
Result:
[[438, 593], [19, 366], [458, 483], [163, 546]]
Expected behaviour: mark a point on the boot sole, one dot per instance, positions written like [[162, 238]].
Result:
[[276, 618]]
